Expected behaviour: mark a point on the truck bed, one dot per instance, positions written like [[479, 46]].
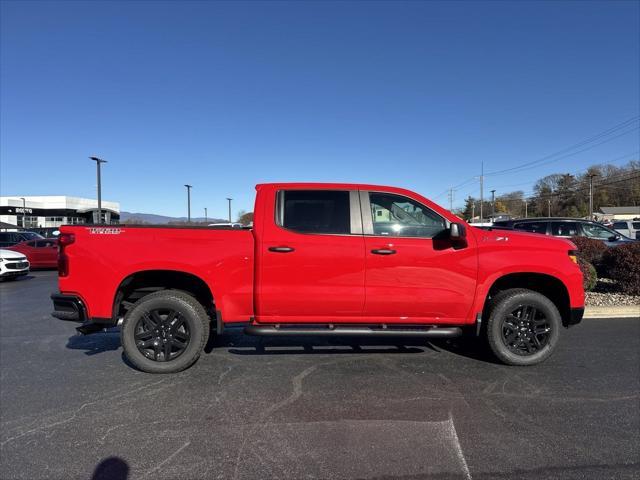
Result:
[[101, 258]]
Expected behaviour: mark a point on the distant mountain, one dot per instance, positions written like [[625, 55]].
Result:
[[161, 219]]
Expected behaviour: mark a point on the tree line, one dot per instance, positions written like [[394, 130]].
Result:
[[565, 195]]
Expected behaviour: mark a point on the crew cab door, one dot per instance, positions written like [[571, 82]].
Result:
[[414, 272], [310, 258]]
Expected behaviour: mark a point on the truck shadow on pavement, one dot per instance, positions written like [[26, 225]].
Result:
[[237, 343]]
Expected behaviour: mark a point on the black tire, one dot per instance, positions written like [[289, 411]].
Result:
[[194, 325], [537, 325]]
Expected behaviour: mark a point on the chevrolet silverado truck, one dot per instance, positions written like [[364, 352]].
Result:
[[320, 259]]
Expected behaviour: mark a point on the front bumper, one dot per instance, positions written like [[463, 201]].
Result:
[[575, 316], [68, 307], [13, 273]]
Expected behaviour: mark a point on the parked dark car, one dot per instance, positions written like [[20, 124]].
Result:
[[567, 228], [8, 239]]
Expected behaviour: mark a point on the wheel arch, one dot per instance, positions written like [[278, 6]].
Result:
[[551, 287], [144, 282]]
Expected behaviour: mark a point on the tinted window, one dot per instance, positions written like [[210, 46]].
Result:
[[30, 236], [597, 231], [636, 225], [44, 243], [533, 227], [399, 216], [316, 211], [620, 225], [564, 229]]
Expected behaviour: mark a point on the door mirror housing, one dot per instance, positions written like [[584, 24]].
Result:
[[457, 231], [613, 238]]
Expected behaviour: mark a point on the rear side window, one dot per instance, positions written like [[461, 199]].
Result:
[[564, 229], [533, 227], [621, 225], [316, 211], [636, 225]]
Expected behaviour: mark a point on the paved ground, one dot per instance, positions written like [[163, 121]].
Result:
[[71, 407]]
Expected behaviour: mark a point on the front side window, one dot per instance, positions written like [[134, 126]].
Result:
[[316, 211], [533, 227], [398, 216], [596, 231], [564, 229]]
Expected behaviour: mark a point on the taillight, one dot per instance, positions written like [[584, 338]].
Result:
[[64, 239]]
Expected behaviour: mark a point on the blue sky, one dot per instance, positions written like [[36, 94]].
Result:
[[228, 94]]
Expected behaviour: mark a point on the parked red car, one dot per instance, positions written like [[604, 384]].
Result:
[[41, 253], [320, 259]]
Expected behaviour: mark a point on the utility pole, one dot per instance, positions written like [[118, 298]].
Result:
[[549, 207], [525, 209], [229, 200], [24, 212], [98, 162], [205, 214], [473, 211], [493, 203], [591, 195], [481, 189], [189, 187], [451, 190]]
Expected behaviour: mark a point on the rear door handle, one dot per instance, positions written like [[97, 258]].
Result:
[[383, 251], [281, 249]]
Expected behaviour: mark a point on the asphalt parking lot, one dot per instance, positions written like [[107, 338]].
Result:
[[71, 407]]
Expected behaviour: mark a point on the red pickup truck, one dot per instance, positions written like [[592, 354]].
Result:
[[320, 259]]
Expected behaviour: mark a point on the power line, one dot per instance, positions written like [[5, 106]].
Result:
[[550, 158]]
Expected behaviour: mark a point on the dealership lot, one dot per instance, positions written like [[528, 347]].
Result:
[[71, 407]]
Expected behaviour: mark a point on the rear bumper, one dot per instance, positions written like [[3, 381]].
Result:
[[575, 316], [68, 307]]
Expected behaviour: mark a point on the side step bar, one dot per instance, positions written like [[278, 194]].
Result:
[[429, 332]]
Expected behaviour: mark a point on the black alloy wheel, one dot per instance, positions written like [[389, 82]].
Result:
[[526, 330], [162, 334]]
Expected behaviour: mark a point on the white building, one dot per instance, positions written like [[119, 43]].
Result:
[[619, 213], [55, 210]]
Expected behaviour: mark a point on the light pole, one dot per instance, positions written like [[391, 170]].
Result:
[[189, 187], [24, 212], [98, 162], [591, 195], [549, 208], [205, 214], [481, 190], [525, 209], [229, 200], [493, 203]]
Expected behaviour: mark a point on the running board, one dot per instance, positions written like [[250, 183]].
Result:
[[429, 332]]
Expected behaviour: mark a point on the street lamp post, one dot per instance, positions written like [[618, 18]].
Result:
[[549, 207], [205, 214], [24, 212], [493, 203], [229, 200], [98, 162], [189, 187]]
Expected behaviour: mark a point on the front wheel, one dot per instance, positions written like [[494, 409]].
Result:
[[523, 327], [164, 332]]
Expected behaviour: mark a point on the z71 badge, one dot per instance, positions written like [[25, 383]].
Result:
[[105, 231]]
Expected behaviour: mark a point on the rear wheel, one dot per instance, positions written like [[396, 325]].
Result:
[[164, 332], [523, 327]]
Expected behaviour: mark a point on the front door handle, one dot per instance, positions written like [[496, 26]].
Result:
[[383, 251], [281, 249]]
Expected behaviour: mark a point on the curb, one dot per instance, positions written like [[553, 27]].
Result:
[[627, 311]]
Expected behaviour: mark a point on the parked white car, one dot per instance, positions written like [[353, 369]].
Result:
[[628, 228], [12, 264]]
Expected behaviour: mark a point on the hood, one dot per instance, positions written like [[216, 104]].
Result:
[[518, 238], [11, 255]]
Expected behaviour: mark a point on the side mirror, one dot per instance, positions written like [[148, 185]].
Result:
[[613, 238], [457, 231]]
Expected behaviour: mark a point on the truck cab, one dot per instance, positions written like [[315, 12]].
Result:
[[322, 259]]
